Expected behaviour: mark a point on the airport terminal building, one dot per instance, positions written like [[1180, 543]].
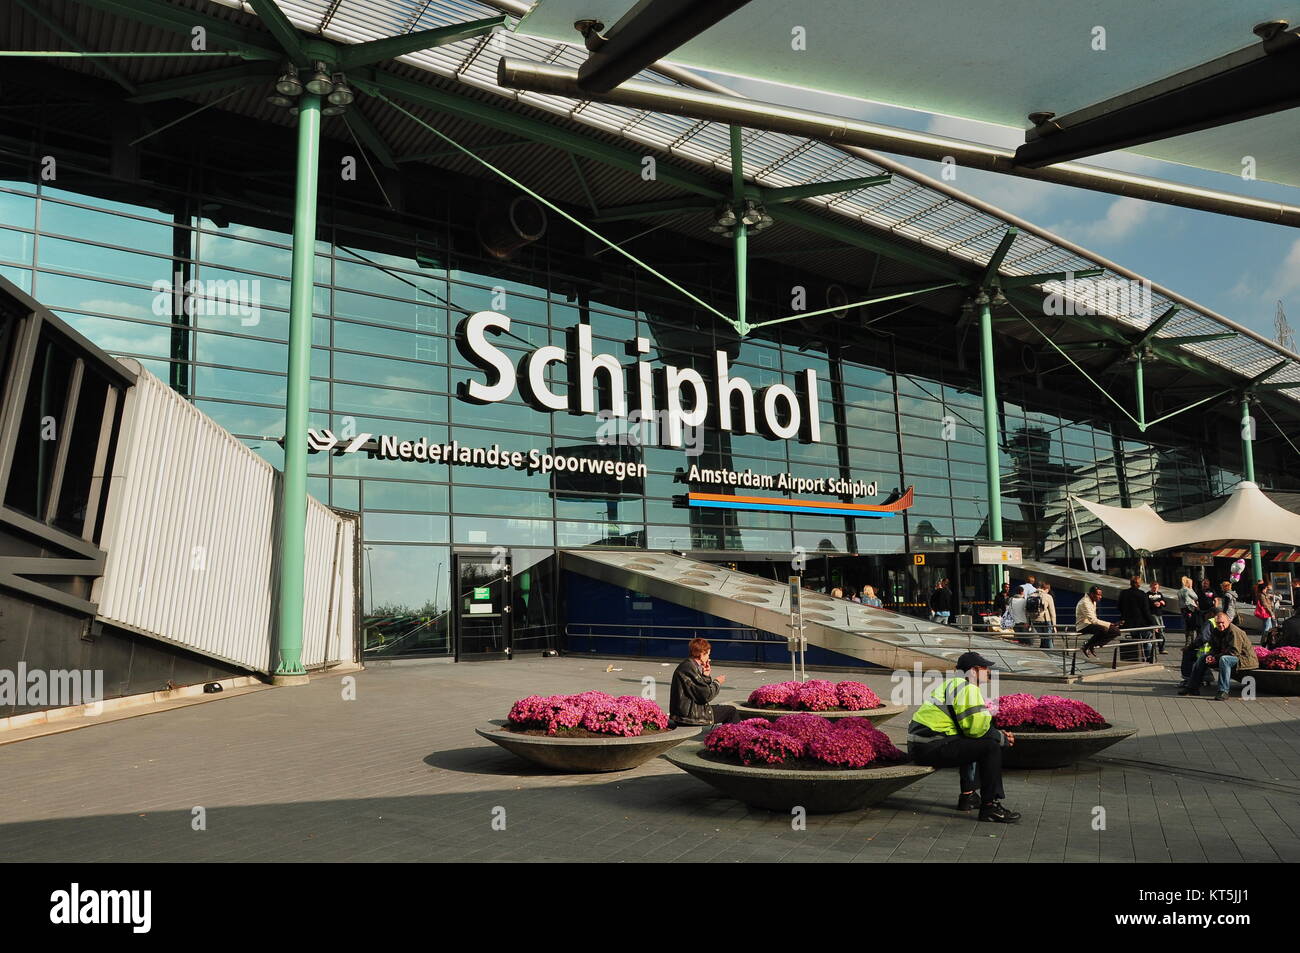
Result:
[[501, 402]]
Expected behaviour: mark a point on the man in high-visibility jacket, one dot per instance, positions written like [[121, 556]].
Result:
[[954, 729]]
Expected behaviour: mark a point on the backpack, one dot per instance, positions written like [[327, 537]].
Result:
[[1033, 606]]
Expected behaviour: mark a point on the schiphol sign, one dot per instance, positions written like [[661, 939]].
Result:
[[778, 411]]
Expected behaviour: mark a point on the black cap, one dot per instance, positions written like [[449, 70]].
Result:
[[970, 660]]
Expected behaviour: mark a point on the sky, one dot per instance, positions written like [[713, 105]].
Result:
[[1237, 267]]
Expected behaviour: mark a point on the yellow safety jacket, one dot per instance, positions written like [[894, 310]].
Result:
[[964, 700]]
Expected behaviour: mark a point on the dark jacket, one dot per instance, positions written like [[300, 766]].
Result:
[[692, 692], [1135, 609], [941, 600], [1158, 603], [1288, 633], [1233, 641]]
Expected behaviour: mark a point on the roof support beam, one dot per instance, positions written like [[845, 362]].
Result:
[[183, 86], [1155, 326], [838, 130], [1198, 338], [370, 138], [59, 30], [1255, 81], [650, 30], [790, 193], [163, 15], [285, 33], [649, 209], [535, 130], [390, 48]]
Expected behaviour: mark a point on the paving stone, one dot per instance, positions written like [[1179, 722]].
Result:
[[298, 774]]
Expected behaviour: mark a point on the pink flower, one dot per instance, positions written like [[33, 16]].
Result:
[[803, 726], [626, 716], [1012, 711], [856, 697], [766, 746], [726, 739], [776, 696], [816, 695], [1049, 711], [1286, 659], [845, 748], [1261, 653]]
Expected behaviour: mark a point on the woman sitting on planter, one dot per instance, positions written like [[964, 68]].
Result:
[[694, 686], [954, 729]]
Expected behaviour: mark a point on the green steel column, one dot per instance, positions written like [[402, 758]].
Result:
[[1248, 463], [742, 232], [992, 437], [293, 521], [1141, 395]]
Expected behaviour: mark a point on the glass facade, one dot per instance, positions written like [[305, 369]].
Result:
[[200, 296]]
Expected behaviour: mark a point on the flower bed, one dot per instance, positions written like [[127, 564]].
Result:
[[587, 732], [804, 742], [1052, 731], [815, 695], [587, 715], [801, 760], [1027, 713], [1285, 659]]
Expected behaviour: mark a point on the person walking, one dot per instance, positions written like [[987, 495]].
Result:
[[1187, 605], [1135, 613], [1000, 600], [1088, 622], [1229, 649], [1044, 618], [954, 729], [1158, 605], [1228, 600], [1265, 605], [941, 603], [1017, 609]]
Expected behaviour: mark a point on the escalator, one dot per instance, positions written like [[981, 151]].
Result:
[[877, 636]]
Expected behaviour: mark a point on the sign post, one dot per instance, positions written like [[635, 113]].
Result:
[[796, 641]]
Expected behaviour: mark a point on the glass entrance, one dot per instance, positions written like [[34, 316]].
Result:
[[483, 602]]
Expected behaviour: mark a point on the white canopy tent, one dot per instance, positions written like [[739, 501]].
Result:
[[1246, 515]]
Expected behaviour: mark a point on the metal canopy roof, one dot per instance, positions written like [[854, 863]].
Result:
[[913, 220], [995, 62]]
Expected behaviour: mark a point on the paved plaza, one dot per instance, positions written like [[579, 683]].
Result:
[[300, 774]]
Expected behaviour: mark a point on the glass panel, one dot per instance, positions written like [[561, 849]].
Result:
[[407, 598]]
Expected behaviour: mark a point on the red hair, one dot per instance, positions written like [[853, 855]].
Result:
[[698, 648]]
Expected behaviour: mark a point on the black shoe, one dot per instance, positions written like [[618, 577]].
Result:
[[1220, 696], [998, 814], [1184, 690], [968, 802]]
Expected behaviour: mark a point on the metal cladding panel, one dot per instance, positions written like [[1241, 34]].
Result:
[[190, 533]]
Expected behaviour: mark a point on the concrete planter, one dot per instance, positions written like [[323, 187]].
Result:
[[1060, 748], [586, 755], [1272, 681], [877, 715], [780, 789]]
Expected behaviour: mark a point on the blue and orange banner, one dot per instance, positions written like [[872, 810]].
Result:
[[779, 504]]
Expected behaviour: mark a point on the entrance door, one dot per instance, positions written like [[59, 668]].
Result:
[[482, 606]]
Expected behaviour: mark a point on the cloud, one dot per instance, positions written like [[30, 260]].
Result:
[[1123, 218], [1286, 280]]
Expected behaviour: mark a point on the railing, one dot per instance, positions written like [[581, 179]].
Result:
[[638, 632], [1069, 653]]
